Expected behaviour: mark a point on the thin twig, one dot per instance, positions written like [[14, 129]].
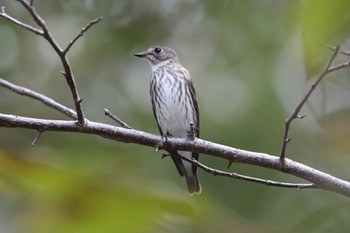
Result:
[[42, 98], [65, 63], [83, 30], [116, 119], [216, 172], [295, 113], [19, 23], [68, 74], [37, 137], [36, 17], [339, 67], [346, 53]]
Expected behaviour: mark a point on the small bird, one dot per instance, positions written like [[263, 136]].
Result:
[[175, 106]]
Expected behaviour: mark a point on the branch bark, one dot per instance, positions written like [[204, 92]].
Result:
[[40, 97]]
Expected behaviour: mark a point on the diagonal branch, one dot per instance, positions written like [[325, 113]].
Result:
[[216, 172], [339, 67], [42, 98], [343, 52], [68, 74], [19, 23], [116, 119], [83, 30], [295, 114], [44, 32]]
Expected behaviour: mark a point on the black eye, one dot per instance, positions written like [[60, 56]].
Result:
[[157, 50]]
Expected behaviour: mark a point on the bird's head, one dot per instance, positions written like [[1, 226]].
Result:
[[158, 54]]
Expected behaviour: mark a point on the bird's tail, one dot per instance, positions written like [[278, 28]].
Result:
[[190, 174], [193, 185], [188, 171]]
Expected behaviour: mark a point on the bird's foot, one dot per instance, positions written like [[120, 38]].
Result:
[[192, 134], [166, 154], [165, 138], [158, 147]]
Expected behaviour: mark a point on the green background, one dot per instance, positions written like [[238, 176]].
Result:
[[251, 62]]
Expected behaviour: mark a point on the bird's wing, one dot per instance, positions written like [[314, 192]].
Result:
[[196, 123]]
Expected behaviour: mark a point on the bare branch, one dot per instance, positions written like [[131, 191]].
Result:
[[339, 67], [83, 30], [294, 115], [62, 54], [19, 23], [318, 178], [346, 53], [116, 119], [36, 137], [237, 176], [42, 98]]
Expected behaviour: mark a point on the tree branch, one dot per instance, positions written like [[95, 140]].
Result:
[[116, 119], [83, 30], [343, 52], [295, 114], [37, 137], [318, 178], [216, 172], [19, 23], [68, 74], [42, 98]]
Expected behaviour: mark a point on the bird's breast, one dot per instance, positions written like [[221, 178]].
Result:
[[172, 105]]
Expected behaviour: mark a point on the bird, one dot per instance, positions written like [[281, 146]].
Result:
[[175, 107]]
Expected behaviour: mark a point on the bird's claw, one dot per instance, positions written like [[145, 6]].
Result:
[[156, 149], [165, 155], [165, 138]]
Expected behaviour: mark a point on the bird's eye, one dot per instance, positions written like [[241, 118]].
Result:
[[157, 50]]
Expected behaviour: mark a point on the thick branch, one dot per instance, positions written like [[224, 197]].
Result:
[[318, 178]]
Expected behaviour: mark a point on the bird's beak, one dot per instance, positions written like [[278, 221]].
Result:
[[142, 54]]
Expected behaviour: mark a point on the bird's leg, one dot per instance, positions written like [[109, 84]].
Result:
[[192, 134], [165, 140]]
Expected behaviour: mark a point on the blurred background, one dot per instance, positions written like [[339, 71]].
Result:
[[251, 61]]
